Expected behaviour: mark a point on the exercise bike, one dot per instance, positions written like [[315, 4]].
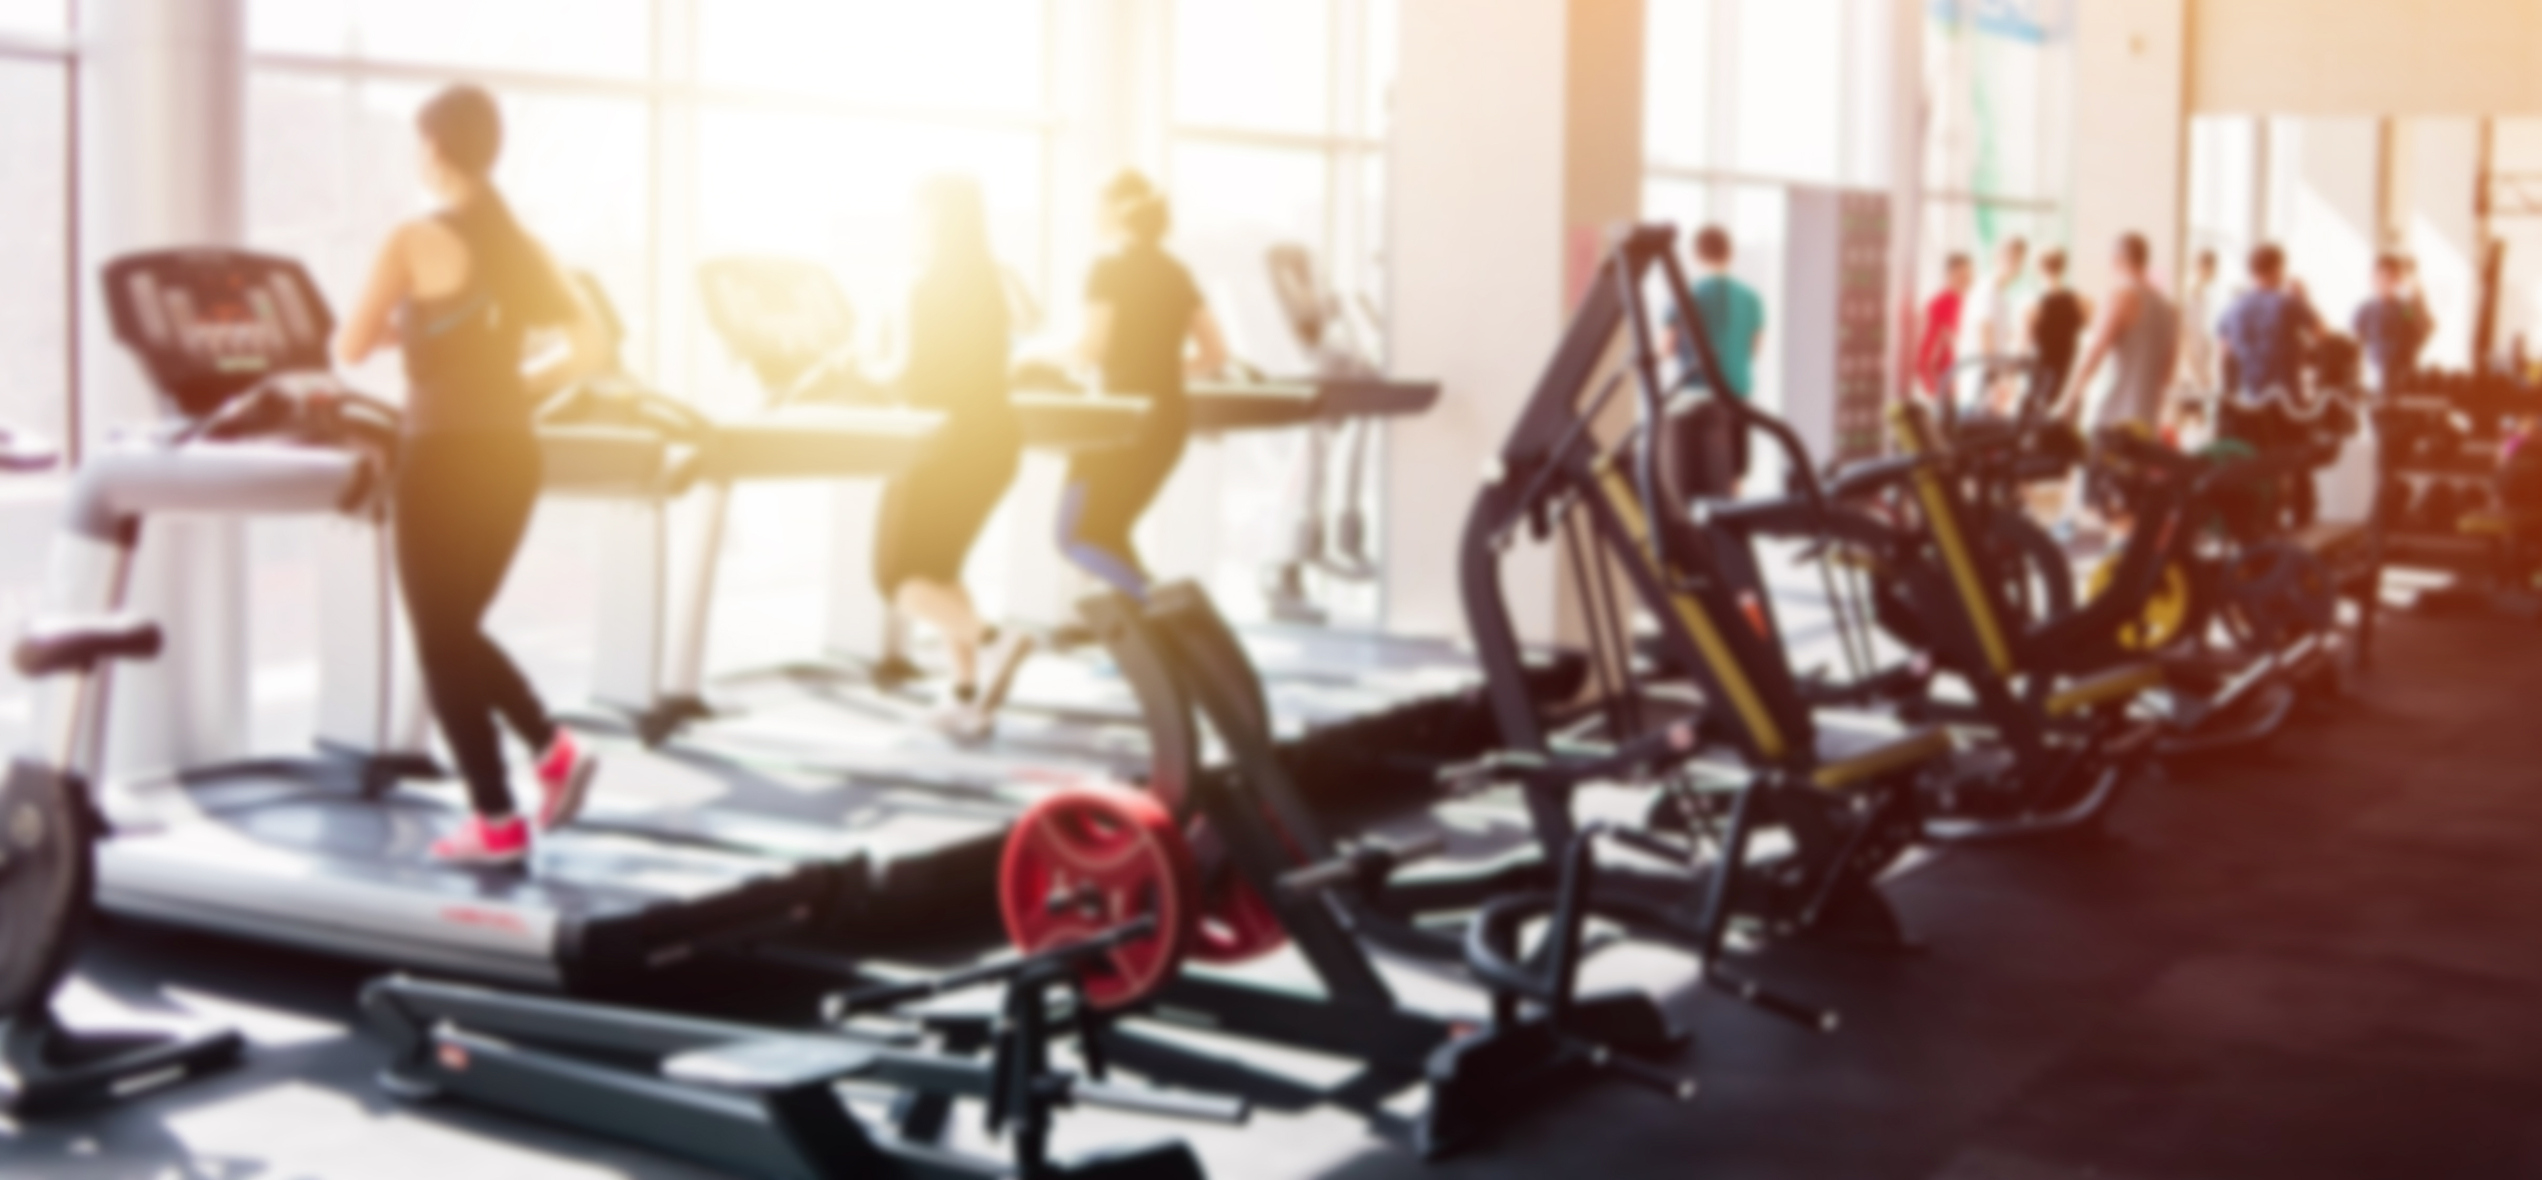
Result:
[[48, 833]]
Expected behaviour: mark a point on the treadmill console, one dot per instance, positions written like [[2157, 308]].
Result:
[[209, 323], [782, 316]]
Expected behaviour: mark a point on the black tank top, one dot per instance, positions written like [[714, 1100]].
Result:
[[463, 350], [1152, 298], [2058, 326]]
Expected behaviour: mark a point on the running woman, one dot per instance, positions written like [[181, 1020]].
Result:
[[1147, 328], [457, 291], [959, 340]]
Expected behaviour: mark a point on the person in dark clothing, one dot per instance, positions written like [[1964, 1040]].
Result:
[[2055, 330], [2266, 335], [2393, 324], [1707, 445], [1147, 328], [959, 340], [457, 291]]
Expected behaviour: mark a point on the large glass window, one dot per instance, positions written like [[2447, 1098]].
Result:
[[1999, 95], [1277, 124], [984, 55], [35, 16], [643, 136], [1277, 119], [1264, 67], [1746, 99], [602, 37], [1677, 82], [841, 190], [647, 135], [1791, 89], [35, 311], [35, 325], [2224, 185]]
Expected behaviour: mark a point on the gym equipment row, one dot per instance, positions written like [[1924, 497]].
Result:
[[1982, 696]]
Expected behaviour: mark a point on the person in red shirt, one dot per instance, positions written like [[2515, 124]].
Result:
[[1935, 348]]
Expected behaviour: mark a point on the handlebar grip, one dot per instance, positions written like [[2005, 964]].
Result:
[[1170, 1104]]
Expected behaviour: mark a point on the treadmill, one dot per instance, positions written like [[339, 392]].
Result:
[[327, 851], [808, 756], [790, 323]]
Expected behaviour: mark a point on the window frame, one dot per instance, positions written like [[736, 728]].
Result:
[[676, 99], [63, 50]]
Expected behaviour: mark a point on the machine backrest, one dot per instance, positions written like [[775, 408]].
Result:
[[208, 323], [1711, 622], [781, 316]]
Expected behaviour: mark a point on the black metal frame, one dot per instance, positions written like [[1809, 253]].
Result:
[[1632, 545], [1188, 666], [765, 1102]]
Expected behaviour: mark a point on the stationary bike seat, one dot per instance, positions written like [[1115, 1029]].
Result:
[[71, 643]]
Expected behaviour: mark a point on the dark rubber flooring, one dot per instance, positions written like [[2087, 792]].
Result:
[[2321, 959]]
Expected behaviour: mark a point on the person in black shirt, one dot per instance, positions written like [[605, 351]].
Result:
[[457, 291], [959, 338], [2055, 328], [1144, 314]]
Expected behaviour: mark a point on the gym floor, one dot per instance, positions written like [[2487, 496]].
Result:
[[2314, 960]]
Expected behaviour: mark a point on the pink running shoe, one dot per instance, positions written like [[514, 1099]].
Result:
[[564, 780], [484, 842]]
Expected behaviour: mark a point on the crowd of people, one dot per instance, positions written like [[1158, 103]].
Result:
[[2168, 352]]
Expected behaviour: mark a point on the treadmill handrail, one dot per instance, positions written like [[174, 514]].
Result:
[[117, 487]]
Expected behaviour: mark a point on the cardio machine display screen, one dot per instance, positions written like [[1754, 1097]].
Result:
[[209, 323], [779, 314]]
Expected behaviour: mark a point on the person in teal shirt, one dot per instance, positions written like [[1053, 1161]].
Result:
[[1713, 449]]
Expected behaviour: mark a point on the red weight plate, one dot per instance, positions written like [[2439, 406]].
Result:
[[1087, 859]]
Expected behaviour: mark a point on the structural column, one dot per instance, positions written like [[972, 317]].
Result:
[[1517, 151], [162, 160], [2434, 217], [2131, 128]]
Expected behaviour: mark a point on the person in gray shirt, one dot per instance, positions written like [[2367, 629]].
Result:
[[2139, 334]]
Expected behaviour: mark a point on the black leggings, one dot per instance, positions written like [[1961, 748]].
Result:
[[463, 501], [933, 512], [1109, 490]]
